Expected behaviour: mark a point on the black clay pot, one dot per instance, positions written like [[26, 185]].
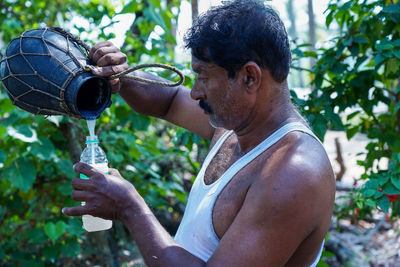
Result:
[[45, 72]]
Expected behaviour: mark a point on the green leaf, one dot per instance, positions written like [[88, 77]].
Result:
[[140, 122], [378, 194], [346, 5], [21, 174], [352, 115], [155, 17], [379, 59], [383, 178], [310, 54], [337, 121], [392, 9], [395, 181], [397, 107], [328, 254], [65, 166], [383, 45], [132, 7], [396, 53], [392, 65], [384, 204], [3, 131], [319, 126], [350, 132], [3, 157], [390, 189], [369, 192], [115, 157], [396, 43], [370, 203], [23, 133], [36, 236], [65, 189], [360, 39], [322, 263], [134, 152], [2, 253], [43, 149], [71, 248], [74, 227], [51, 252], [372, 184], [54, 230], [155, 3], [329, 19]]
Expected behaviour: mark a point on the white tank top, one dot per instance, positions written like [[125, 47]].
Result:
[[196, 231]]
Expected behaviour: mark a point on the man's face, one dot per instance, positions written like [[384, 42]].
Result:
[[221, 98]]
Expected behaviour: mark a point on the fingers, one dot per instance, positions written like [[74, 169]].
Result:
[[98, 46], [87, 170], [106, 71], [109, 60], [81, 184], [114, 58], [75, 211], [104, 51], [83, 196], [106, 54], [114, 172]]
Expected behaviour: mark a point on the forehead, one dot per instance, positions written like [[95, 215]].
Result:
[[201, 66]]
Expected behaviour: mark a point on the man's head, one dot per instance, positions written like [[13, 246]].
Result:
[[240, 31]]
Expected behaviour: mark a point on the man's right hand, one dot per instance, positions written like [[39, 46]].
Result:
[[109, 60]]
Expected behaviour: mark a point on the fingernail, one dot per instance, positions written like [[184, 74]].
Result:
[[96, 69]]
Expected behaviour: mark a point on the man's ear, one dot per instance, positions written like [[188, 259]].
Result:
[[251, 76]]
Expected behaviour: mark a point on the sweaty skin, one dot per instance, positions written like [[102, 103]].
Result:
[[274, 212]]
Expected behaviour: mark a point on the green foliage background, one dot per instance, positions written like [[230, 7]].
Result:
[[37, 153], [358, 70]]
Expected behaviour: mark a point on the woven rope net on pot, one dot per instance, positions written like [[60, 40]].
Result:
[[67, 56], [24, 68]]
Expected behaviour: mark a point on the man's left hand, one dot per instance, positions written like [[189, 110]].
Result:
[[105, 195]]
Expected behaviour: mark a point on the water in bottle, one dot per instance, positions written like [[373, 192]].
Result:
[[95, 157]]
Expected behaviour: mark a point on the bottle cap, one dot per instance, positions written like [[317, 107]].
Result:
[[92, 139]]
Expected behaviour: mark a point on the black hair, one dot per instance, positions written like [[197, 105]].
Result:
[[240, 31]]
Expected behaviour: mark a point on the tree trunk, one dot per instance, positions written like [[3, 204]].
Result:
[[292, 17], [292, 31], [195, 10], [311, 25], [339, 159]]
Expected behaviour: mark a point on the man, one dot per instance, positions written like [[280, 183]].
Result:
[[265, 193]]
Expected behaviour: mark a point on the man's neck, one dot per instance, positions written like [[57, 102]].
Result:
[[268, 118]]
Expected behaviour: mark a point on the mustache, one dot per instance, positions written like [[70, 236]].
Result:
[[205, 106]]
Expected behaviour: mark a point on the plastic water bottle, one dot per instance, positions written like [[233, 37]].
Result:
[[95, 157]]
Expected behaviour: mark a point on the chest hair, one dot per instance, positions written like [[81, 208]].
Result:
[[221, 161]]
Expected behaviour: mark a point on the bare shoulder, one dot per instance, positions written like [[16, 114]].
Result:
[[298, 175], [287, 208]]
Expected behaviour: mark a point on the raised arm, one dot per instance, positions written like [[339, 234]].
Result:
[[173, 104]]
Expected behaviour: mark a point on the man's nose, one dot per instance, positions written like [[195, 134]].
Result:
[[197, 91]]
